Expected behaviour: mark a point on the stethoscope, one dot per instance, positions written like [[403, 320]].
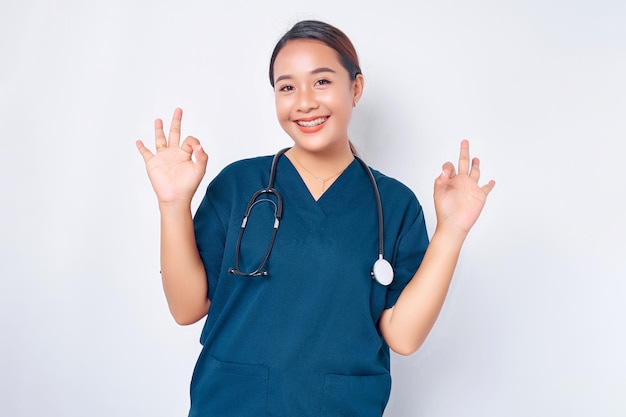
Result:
[[382, 271]]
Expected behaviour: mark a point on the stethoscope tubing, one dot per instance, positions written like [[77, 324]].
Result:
[[381, 267]]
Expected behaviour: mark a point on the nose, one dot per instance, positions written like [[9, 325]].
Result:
[[306, 100]]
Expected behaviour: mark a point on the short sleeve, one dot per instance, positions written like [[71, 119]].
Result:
[[210, 234], [408, 252]]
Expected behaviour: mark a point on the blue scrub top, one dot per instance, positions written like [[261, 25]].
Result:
[[303, 340]]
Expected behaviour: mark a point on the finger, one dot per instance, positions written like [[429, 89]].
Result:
[[464, 159], [448, 170], [189, 144], [193, 146], [174, 137], [159, 136], [489, 186], [145, 152], [475, 170]]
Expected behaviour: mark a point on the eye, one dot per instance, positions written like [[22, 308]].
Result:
[[323, 81], [286, 88]]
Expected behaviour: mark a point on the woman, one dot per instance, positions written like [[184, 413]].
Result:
[[295, 324]]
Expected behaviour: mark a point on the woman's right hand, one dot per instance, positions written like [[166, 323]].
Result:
[[174, 175]]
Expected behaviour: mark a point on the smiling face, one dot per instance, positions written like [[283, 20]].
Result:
[[314, 96]]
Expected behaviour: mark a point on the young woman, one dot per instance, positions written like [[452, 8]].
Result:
[[330, 268]]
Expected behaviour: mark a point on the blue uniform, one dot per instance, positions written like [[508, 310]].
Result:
[[303, 340]]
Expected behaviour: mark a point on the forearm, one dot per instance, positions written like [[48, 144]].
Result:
[[182, 270], [406, 325]]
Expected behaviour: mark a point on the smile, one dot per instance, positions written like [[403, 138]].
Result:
[[311, 123]]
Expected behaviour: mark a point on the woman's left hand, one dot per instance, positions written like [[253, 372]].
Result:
[[458, 197]]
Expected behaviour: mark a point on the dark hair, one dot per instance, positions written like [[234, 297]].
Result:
[[328, 35]]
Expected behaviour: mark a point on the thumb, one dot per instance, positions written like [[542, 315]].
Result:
[[447, 172], [201, 157]]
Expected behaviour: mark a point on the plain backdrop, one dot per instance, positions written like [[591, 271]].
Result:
[[535, 318]]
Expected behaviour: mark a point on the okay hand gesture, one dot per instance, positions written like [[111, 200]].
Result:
[[174, 174], [459, 199]]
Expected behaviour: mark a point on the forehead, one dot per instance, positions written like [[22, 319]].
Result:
[[305, 55]]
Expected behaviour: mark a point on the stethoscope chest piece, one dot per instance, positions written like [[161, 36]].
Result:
[[382, 272]]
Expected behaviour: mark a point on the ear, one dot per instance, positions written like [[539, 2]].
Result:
[[357, 89]]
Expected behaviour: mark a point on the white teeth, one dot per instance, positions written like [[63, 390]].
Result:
[[312, 123]]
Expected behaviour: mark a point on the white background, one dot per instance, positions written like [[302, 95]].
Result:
[[534, 323]]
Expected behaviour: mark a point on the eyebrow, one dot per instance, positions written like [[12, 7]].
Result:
[[315, 71]]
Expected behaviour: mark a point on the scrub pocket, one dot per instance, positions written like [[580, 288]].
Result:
[[227, 389], [356, 396]]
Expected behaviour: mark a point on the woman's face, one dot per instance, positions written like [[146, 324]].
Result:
[[314, 95]]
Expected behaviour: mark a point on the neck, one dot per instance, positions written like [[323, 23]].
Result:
[[321, 165], [319, 170]]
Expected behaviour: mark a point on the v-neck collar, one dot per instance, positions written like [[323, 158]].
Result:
[[336, 198]]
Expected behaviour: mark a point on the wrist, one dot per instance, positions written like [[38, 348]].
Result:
[[451, 234], [174, 207]]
